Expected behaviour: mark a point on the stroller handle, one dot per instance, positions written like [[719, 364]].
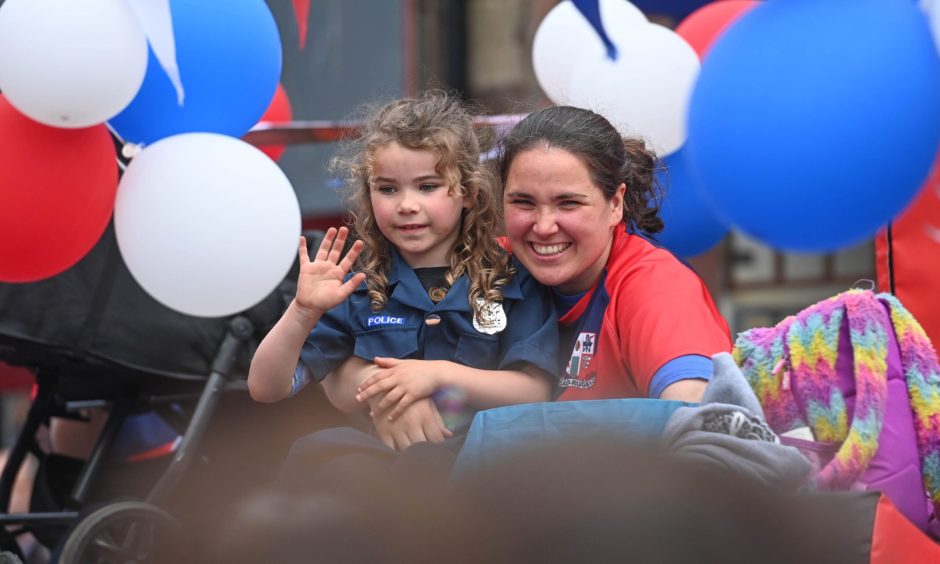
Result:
[[239, 331]]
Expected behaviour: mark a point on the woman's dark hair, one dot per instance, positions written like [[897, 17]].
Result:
[[609, 158]]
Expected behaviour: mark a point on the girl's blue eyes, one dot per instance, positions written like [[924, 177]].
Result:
[[393, 189]]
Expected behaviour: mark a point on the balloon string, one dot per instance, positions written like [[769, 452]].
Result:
[[119, 145]]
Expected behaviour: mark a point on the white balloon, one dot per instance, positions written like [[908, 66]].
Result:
[[931, 9], [207, 224], [646, 91], [565, 35], [70, 64]]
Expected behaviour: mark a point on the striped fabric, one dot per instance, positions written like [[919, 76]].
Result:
[[798, 359]]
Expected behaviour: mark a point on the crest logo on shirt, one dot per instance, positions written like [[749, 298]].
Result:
[[584, 349]]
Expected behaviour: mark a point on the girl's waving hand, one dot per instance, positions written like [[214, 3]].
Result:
[[320, 285]]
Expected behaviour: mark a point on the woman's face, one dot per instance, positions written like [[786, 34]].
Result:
[[558, 221]]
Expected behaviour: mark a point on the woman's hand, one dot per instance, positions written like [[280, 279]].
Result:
[[419, 423], [320, 285], [402, 381]]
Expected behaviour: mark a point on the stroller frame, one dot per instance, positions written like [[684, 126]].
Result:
[[220, 380]]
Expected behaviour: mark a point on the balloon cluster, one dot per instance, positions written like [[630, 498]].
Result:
[[810, 124], [206, 223], [626, 84]]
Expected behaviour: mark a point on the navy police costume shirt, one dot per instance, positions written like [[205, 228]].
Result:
[[408, 326]]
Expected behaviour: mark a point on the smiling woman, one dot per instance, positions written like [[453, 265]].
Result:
[[580, 209]]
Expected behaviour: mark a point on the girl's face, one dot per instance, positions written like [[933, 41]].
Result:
[[414, 207], [558, 221]]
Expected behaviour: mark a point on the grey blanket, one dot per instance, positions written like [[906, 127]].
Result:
[[727, 431]]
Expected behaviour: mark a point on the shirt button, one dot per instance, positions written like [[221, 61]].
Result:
[[432, 319]]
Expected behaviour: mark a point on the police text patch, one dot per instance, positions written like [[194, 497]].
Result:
[[379, 320]]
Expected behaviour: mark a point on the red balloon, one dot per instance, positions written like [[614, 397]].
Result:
[[704, 25], [278, 111], [911, 273], [57, 188]]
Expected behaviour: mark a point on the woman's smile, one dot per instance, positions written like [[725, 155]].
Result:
[[544, 250]]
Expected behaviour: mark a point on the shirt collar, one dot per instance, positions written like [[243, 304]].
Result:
[[404, 286]]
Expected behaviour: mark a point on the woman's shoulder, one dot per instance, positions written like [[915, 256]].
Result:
[[637, 260], [630, 249]]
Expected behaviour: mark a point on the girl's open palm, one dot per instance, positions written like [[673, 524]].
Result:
[[320, 285]]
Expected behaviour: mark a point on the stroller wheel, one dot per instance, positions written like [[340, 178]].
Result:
[[126, 532]]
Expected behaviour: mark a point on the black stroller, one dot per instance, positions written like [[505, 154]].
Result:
[[96, 341]]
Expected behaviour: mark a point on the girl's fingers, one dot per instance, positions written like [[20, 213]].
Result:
[[338, 245], [433, 432], [350, 285], [403, 404], [402, 441], [383, 362], [387, 439], [326, 244], [378, 376], [366, 392], [302, 254], [440, 423], [350, 259], [390, 399], [416, 435], [374, 388]]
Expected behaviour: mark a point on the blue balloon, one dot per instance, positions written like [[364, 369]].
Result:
[[814, 122], [229, 56], [691, 226]]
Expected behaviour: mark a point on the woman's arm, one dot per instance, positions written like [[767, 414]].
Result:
[[406, 381], [689, 390], [683, 378]]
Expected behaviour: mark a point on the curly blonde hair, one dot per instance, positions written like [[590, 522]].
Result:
[[434, 121]]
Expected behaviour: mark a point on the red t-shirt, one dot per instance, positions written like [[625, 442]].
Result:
[[647, 309]]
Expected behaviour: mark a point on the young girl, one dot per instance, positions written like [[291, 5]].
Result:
[[437, 304]]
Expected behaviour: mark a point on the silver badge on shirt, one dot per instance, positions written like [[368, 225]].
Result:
[[491, 319]]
